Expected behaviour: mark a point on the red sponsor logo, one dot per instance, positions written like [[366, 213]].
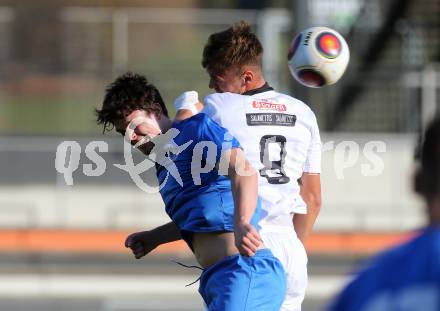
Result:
[[268, 106]]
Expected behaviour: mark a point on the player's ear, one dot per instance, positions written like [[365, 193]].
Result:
[[248, 76]]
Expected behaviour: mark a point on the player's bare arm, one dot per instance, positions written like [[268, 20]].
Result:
[[143, 242], [311, 194], [244, 184]]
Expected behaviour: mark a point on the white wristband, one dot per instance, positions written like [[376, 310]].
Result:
[[187, 100]]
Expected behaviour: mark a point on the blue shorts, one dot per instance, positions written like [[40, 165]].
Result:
[[241, 283]]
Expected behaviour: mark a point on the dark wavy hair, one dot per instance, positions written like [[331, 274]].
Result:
[[427, 181], [232, 48], [127, 93]]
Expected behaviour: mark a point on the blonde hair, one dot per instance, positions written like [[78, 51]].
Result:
[[232, 48]]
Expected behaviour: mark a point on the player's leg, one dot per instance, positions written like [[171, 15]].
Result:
[[284, 244], [244, 283]]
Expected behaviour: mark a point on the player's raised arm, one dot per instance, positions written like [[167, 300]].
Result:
[[245, 192], [187, 104]]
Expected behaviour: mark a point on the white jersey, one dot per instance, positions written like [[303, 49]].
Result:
[[280, 137]]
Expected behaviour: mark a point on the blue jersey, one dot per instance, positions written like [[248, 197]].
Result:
[[405, 278], [203, 204]]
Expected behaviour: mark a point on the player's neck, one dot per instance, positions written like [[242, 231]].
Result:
[[255, 84]]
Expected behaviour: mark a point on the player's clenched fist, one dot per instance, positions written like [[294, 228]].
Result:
[[247, 239], [141, 243]]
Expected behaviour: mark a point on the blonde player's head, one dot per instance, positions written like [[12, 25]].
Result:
[[233, 59], [427, 181]]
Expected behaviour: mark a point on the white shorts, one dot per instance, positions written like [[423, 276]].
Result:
[[286, 246]]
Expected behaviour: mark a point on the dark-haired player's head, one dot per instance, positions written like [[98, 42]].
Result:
[[233, 59], [132, 100], [427, 181]]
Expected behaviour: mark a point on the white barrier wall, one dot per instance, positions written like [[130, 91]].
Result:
[[367, 183]]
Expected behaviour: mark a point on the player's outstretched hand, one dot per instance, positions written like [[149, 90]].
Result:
[[247, 239], [140, 243]]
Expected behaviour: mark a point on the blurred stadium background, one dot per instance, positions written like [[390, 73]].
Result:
[[61, 247]]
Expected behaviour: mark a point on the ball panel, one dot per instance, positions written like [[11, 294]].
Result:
[[332, 71], [311, 78], [294, 46], [328, 45]]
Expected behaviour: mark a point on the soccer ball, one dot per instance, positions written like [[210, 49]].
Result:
[[318, 56]]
